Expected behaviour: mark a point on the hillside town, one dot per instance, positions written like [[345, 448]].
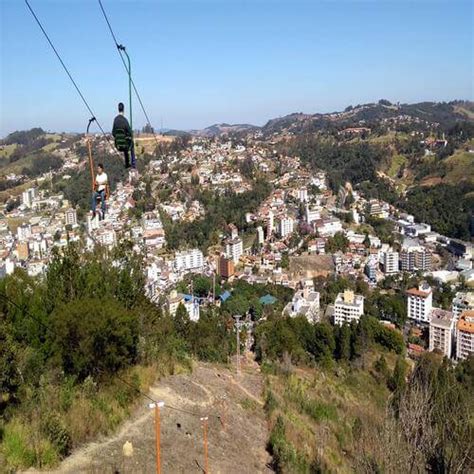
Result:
[[301, 231]]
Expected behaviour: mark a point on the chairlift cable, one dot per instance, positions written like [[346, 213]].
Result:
[[126, 68], [81, 95]]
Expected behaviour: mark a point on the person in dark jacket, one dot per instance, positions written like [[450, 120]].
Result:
[[120, 127]]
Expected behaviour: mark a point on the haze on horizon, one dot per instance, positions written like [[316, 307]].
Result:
[[196, 63]]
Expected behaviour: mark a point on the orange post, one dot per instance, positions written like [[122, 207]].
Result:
[[156, 406], [157, 435], [91, 164], [206, 460]]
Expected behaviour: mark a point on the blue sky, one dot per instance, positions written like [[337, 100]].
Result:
[[198, 62]]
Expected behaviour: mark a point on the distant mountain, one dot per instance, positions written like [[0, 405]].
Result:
[[441, 114], [219, 129]]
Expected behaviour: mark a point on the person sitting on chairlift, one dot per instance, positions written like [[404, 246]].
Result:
[[101, 190], [123, 136]]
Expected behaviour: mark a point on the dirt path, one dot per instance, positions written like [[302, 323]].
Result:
[[237, 429]]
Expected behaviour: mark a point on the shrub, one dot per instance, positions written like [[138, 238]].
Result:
[[93, 336], [55, 430]]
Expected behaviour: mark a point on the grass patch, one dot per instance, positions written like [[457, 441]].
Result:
[[21, 447], [397, 162], [317, 408], [7, 150], [248, 404], [460, 167]]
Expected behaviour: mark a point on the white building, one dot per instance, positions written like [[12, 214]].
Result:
[[234, 248], [329, 226], [420, 303], [303, 195], [192, 307], [71, 217], [190, 304], [348, 307], [270, 224], [28, 196], [286, 226], [312, 214], [465, 335], [189, 260], [106, 236], [23, 232], [415, 257], [442, 331], [260, 235], [174, 300], [234, 232], [390, 262], [462, 301], [304, 303]]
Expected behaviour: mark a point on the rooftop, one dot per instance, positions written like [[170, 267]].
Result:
[[417, 292], [466, 321], [441, 317]]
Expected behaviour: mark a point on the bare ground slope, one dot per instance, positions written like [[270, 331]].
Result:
[[236, 442]]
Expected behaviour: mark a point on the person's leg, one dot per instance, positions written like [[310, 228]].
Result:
[[127, 159], [132, 151], [94, 202], [102, 197]]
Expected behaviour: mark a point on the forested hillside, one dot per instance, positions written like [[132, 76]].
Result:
[[342, 400], [418, 157]]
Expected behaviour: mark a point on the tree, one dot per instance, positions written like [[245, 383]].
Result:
[[366, 241], [93, 336], [182, 322], [381, 367], [338, 242], [398, 380], [323, 344], [343, 342]]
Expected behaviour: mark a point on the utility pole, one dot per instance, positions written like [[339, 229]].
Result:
[[89, 148], [238, 325], [206, 460], [213, 288], [121, 47], [157, 406]]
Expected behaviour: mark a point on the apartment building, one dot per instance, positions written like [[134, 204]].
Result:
[[442, 327], [189, 260], [390, 262], [305, 303], [70, 217], [414, 258], [420, 303], [234, 248], [303, 195], [465, 335], [371, 269], [226, 267], [462, 301], [286, 226], [348, 307], [260, 235]]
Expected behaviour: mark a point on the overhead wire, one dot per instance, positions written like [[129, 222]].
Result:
[[126, 68], [81, 95]]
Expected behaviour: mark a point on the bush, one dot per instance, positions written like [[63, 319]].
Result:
[[55, 430], [93, 336], [21, 451]]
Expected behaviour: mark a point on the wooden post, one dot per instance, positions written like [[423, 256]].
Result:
[[157, 436], [91, 164], [206, 460], [156, 406]]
